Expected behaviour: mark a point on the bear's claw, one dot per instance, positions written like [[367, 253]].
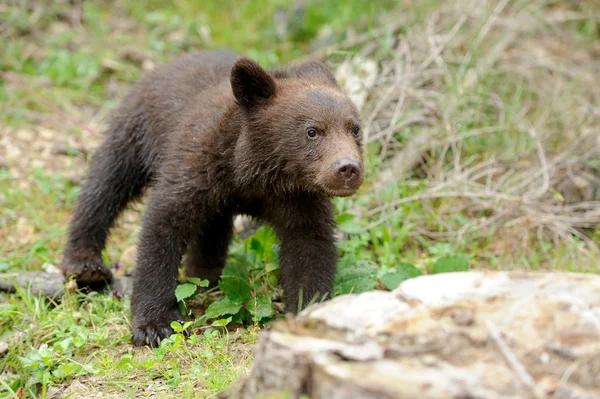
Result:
[[87, 272]]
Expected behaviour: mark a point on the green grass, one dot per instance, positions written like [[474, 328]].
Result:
[[56, 68], [86, 337], [76, 64], [62, 80]]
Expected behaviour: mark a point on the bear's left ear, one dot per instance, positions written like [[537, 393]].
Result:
[[250, 83], [315, 70]]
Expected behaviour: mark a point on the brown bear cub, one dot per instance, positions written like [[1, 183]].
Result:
[[216, 135]]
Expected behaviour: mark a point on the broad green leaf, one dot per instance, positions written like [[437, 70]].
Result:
[[262, 245], [236, 289], [236, 269], [256, 245], [403, 271], [260, 308], [198, 281], [221, 322], [270, 267], [176, 326], [66, 369], [184, 291], [220, 308], [453, 263], [63, 345], [355, 277]]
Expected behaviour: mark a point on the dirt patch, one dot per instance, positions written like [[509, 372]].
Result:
[[22, 150]]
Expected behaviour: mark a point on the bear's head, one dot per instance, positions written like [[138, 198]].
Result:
[[299, 130]]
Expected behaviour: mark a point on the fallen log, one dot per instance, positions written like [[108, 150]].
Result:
[[458, 335]]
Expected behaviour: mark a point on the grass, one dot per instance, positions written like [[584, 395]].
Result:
[[63, 74], [86, 338]]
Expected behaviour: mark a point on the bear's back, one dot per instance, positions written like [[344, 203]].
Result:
[[189, 75], [158, 101], [170, 87]]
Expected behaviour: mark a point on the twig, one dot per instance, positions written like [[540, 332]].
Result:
[[324, 52], [512, 360], [544, 166]]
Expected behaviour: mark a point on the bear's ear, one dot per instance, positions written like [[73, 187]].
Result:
[[315, 70], [250, 83]]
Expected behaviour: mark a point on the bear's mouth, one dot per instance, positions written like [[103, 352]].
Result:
[[334, 186], [340, 191]]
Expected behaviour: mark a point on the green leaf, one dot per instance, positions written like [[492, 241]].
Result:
[[346, 222], [355, 277], [256, 245], [176, 326], [453, 263], [198, 281], [64, 345], [440, 248], [236, 269], [236, 289], [124, 361], [66, 369], [184, 291], [403, 271], [260, 308], [261, 245], [220, 308], [270, 267], [221, 322]]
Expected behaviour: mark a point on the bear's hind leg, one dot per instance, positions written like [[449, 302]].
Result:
[[116, 177]]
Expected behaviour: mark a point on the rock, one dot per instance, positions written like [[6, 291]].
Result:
[[53, 284], [357, 76], [245, 226], [579, 183], [50, 268], [457, 335]]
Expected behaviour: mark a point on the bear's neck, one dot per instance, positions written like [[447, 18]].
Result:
[[254, 164]]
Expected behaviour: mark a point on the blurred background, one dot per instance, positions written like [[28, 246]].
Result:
[[481, 117], [481, 121]]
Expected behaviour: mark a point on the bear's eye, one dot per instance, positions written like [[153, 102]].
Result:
[[356, 130], [312, 132]]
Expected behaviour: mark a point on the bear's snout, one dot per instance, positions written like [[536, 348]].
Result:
[[347, 171], [348, 175]]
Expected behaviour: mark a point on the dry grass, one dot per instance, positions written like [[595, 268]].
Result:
[[496, 105]]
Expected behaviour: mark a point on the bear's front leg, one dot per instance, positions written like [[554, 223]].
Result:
[[168, 223], [308, 253]]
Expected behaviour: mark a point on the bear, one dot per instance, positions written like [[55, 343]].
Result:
[[213, 135]]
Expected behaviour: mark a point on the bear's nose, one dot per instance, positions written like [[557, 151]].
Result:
[[347, 170]]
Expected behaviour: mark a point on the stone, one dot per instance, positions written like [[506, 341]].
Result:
[[456, 335]]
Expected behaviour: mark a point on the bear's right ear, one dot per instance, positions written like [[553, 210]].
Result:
[[316, 70], [250, 83]]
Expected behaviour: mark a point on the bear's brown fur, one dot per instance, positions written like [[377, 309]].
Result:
[[216, 135]]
